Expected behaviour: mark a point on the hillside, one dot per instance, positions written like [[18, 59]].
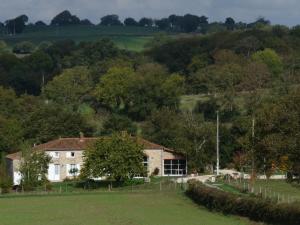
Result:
[[130, 38], [100, 89]]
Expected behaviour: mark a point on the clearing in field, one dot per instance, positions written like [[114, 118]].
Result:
[[114, 208]]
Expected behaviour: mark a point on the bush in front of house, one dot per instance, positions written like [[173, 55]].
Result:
[[5, 184], [252, 207], [133, 182]]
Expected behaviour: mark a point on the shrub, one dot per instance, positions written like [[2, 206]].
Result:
[[5, 184], [254, 208], [130, 182], [155, 172], [24, 47]]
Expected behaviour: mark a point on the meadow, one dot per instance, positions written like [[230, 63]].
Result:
[[130, 38], [110, 208], [275, 187]]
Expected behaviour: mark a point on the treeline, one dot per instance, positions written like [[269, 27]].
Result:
[[176, 23], [65, 88]]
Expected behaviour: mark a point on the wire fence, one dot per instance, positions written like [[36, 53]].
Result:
[[263, 191], [70, 188]]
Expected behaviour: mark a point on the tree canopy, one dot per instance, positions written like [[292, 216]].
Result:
[[120, 157]]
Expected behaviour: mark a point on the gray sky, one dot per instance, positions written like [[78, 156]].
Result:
[[278, 11]]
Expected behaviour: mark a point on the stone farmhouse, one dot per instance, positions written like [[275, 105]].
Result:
[[67, 155]]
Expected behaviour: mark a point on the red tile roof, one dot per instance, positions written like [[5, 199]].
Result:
[[66, 144]]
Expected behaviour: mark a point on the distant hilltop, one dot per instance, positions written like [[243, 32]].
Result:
[[187, 23]]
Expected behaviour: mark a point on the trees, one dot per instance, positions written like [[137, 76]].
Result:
[[277, 133], [114, 87], [158, 40], [3, 47], [5, 181], [16, 25], [111, 20], [90, 53], [33, 168], [175, 21], [153, 89], [65, 18], [86, 22], [146, 22], [70, 87], [130, 22], [24, 47], [190, 23], [118, 123], [229, 23], [119, 157], [163, 23], [51, 121], [256, 76], [40, 23], [271, 59], [186, 132], [11, 134], [248, 45], [164, 126]]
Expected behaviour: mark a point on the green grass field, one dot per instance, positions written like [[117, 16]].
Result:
[[272, 189], [284, 189], [115, 208], [131, 38]]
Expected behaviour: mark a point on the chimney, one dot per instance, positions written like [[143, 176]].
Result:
[[81, 137]]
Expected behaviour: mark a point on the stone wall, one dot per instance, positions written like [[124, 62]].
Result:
[[63, 160]]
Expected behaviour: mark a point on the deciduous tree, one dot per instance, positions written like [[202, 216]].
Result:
[[119, 157]]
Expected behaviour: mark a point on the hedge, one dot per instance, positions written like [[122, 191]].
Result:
[[254, 208]]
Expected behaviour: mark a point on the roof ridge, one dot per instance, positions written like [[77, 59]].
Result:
[[66, 138]]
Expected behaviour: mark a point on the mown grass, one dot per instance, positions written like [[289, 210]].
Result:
[[281, 187], [131, 38], [278, 190], [114, 208]]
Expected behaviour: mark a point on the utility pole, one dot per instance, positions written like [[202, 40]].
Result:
[[218, 143]]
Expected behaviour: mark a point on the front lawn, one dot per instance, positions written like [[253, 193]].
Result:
[[109, 208]]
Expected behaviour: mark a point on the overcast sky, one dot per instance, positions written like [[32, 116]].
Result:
[[278, 11]]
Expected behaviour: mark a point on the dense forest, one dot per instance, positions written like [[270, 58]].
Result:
[[249, 76]]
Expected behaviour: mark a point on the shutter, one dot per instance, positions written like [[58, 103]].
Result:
[[68, 166], [78, 167]]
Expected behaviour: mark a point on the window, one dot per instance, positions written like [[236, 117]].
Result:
[[70, 154], [56, 169], [174, 167], [72, 170], [145, 162]]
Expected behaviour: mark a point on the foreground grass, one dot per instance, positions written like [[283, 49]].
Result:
[[109, 209]]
